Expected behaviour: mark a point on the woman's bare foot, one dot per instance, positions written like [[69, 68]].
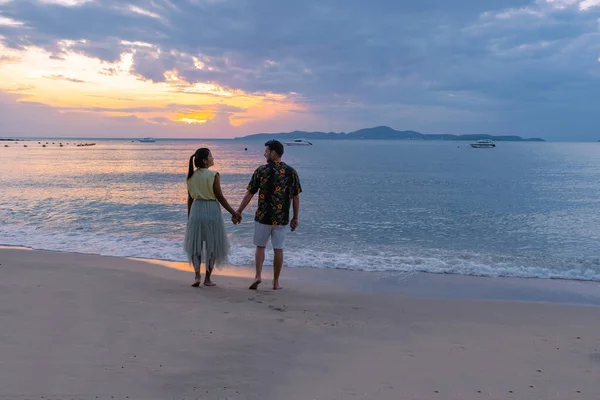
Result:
[[255, 284], [197, 280], [209, 271], [276, 286]]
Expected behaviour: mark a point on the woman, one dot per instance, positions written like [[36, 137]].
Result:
[[205, 225]]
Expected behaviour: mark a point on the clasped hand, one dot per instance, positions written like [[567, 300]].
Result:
[[236, 218]]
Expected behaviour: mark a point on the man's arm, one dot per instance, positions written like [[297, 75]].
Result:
[[245, 201], [296, 190], [296, 208], [252, 188]]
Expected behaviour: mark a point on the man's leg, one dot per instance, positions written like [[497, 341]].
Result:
[[277, 265], [261, 238], [278, 239], [259, 259]]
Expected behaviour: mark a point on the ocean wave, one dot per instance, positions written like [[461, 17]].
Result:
[[405, 260]]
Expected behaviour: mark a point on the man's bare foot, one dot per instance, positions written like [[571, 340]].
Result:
[[255, 284], [276, 286], [209, 283]]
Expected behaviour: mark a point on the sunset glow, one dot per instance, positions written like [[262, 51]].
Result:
[[74, 83], [230, 68]]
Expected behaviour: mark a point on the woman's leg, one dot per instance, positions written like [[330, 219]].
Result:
[[210, 264], [196, 261]]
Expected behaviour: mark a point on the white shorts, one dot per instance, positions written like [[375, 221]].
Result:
[[263, 232]]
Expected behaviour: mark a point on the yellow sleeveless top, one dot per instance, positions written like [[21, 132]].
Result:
[[200, 185]]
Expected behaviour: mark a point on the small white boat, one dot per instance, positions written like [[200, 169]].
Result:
[[483, 144], [147, 140], [299, 142]]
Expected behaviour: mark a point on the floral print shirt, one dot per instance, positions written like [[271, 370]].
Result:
[[276, 184]]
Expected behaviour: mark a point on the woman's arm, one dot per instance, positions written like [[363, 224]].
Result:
[[221, 199], [190, 201]]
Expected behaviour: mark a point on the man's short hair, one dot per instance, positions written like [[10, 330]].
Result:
[[276, 146]]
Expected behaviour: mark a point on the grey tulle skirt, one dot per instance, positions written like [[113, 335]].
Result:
[[206, 227]]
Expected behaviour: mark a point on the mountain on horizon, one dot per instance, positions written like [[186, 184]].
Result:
[[382, 133]]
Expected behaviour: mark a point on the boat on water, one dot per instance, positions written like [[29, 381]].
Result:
[[299, 142], [483, 144], [147, 140]]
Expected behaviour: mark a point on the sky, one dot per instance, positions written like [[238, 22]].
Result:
[[227, 68]]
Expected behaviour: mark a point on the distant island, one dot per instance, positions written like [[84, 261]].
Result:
[[382, 133]]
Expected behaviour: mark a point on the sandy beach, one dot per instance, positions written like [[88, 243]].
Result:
[[75, 326]]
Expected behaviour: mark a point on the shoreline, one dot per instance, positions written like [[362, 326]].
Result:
[[460, 262], [413, 284], [423, 284]]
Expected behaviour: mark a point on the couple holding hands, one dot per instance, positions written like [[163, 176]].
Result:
[[278, 187]]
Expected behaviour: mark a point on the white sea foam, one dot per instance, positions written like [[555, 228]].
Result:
[[422, 260]]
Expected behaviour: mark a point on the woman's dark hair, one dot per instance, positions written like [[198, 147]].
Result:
[[276, 146], [198, 159]]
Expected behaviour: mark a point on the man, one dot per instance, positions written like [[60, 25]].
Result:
[[277, 185]]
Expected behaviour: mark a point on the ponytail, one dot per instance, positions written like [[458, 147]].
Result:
[[191, 168], [197, 159]]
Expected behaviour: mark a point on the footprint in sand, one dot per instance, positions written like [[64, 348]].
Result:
[[265, 297], [595, 356], [255, 300], [280, 309]]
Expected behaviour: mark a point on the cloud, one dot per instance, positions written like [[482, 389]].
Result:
[[22, 89], [110, 97], [66, 3], [161, 120], [36, 119], [4, 21], [64, 78], [527, 67], [9, 59], [109, 72], [222, 109]]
